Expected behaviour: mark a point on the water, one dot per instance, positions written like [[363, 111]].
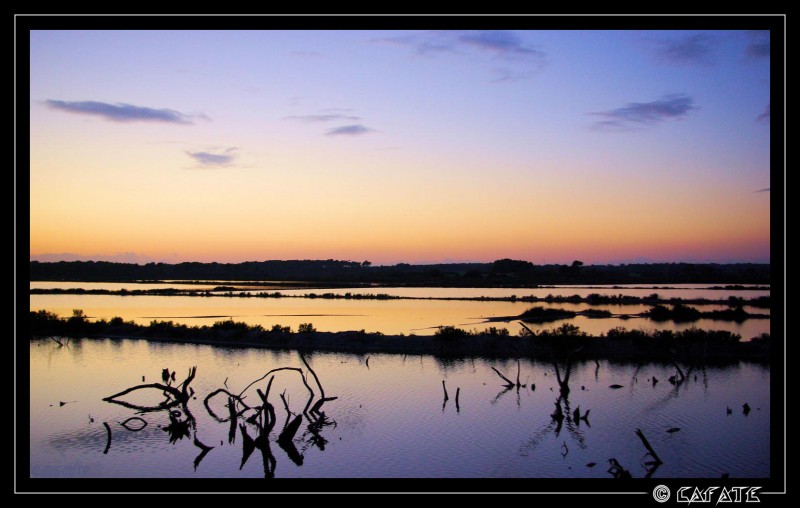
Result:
[[420, 317], [389, 416]]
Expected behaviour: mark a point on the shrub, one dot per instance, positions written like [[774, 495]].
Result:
[[306, 328], [497, 332], [450, 332]]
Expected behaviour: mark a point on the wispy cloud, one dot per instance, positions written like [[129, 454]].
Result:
[[120, 112], [639, 114], [349, 130], [763, 117], [214, 160], [522, 60], [502, 43], [766, 189], [330, 117], [424, 43], [306, 54], [759, 44], [692, 49]]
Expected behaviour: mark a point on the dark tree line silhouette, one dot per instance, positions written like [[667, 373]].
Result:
[[503, 272]]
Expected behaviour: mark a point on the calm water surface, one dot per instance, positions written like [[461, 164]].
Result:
[[421, 317], [389, 416]]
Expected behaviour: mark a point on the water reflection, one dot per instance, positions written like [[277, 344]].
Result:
[[260, 419], [389, 415]]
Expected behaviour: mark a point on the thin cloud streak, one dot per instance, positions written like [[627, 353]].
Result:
[[503, 45], [763, 190], [638, 114], [349, 130], [120, 112], [764, 117], [759, 44], [323, 118], [214, 160], [692, 49]]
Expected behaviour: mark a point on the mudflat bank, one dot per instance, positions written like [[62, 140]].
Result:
[[693, 346]]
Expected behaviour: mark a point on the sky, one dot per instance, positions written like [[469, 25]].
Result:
[[400, 146]]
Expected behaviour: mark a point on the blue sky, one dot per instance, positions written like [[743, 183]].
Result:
[[400, 146]]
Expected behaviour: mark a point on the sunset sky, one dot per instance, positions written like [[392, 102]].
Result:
[[400, 146]]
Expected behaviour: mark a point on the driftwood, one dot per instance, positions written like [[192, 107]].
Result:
[[177, 396], [509, 383], [458, 408]]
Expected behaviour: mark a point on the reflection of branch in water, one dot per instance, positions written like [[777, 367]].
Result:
[[183, 424], [652, 469], [233, 417], [596, 369], [285, 440], [177, 429], [108, 438], [649, 448], [635, 377], [262, 443], [127, 426], [572, 424], [536, 439], [232, 409], [617, 471], [500, 393], [248, 445], [203, 451], [672, 394]]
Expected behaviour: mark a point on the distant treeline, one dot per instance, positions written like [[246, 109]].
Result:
[[591, 299], [500, 273]]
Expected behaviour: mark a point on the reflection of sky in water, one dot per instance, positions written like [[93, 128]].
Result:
[[420, 317], [390, 419]]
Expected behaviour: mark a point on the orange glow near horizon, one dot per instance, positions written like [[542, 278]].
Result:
[[431, 173]]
